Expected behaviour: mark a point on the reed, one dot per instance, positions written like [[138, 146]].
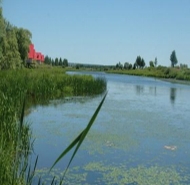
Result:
[[34, 86]]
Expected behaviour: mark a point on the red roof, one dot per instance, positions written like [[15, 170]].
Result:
[[32, 54]]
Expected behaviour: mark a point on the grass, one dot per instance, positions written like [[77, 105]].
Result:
[[158, 72], [35, 86]]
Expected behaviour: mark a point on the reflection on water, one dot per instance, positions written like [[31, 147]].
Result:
[[152, 90], [173, 95], [135, 124], [139, 89]]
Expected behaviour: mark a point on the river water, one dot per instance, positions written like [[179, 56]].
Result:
[[141, 135]]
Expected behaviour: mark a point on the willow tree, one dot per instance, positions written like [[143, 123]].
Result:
[[10, 58], [14, 44], [24, 39]]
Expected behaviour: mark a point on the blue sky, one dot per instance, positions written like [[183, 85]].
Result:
[[105, 31]]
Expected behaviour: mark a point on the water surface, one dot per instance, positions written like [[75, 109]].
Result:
[[131, 140]]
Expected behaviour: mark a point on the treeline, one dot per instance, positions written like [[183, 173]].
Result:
[[139, 64], [14, 44], [56, 62]]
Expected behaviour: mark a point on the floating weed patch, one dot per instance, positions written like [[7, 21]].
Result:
[[140, 175], [99, 173], [101, 142], [73, 176]]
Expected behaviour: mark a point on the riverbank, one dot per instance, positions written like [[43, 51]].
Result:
[[174, 75], [19, 90], [159, 72]]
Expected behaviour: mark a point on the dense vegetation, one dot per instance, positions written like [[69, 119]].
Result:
[[38, 86]]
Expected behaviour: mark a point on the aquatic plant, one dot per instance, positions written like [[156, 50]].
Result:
[[79, 139], [36, 86]]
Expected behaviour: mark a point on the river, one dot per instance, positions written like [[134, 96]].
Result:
[[141, 135]]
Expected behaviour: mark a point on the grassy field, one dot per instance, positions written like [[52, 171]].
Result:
[[33, 86]]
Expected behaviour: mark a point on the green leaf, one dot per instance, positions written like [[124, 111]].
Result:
[[79, 139]]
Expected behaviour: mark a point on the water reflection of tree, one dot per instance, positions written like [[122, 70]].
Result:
[[139, 89], [173, 95], [152, 90]]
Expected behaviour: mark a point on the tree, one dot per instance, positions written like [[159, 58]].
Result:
[[119, 65], [9, 53], [173, 59], [140, 63], [60, 62], [52, 62], [155, 62], [65, 62], [56, 61], [151, 64], [134, 65], [47, 60], [24, 40], [14, 44], [127, 65]]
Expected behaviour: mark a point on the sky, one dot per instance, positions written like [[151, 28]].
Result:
[[105, 31]]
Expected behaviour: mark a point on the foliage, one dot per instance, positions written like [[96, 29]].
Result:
[[151, 63], [24, 39], [60, 62], [173, 59], [14, 44], [47, 60], [139, 63], [65, 62], [155, 62], [183, 66], [127, 65], [119, 66], [57, 62]]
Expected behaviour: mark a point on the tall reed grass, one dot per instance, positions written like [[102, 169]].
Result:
[[35, 86]]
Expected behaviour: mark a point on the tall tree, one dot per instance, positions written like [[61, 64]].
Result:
[[151, 63], [10, 56], [14, 44], [11, 53], [60, 62], [24, 40], [142, 63], [65, 62], [127, 65], [155, 62], [173, 59], [56, 61], [138, 62]]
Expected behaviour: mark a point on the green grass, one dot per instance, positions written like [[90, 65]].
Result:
[[35, 86], [158, 72]]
